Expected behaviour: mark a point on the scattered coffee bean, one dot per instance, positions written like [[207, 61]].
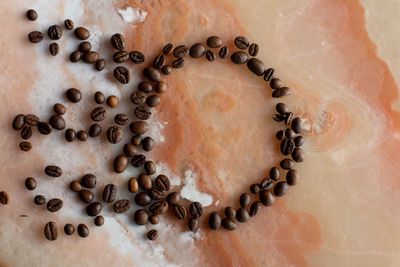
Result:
[[275, 83], [88, 180], [196, 210], [30, 183], [274, 173], [83, 230], [287, 146], [167, 49], [297, 125], [255, 188], [99, 220], [269, 74], [150, 167], [291, 177], [298, 155], [82, 33], [214, 221], [133, 185], [158, 208], [31, 14], [90, 56], [180, 51], [147, 143], [157, 194], [50, 231], [241, 42], [94, 130], [280, 189], [70, 135], [167, 69], [54, 204], [35, 37], [141, 217], [54, 32], [94, 209], [18, 122], [112, 101], [239, 57], [281, 108], [73, 95], [142, 199], [100, 64], [210, 56], [59, 109], [153, 101], [118, 41], [173, 198], [143, 112], [158, 62], [289, 133], [26, 132], [120, 163], [120, 56], [230, 212], [280, 134], [214, 42], [75, 186], [178, 63], [85, 46], [298, 141], [69, 24], [136, 140], [75, 56], [242, 215], [278, 117], [197, 50], [114, 134], [122, 74], [145, 182], [161, 87], [53, 171], [25, 146], [145, 87], [284, 91], [256, 66], [54, 48], [152, 74], [288, 118], [179, 211], [228, 224], [32, 120], [254, 208], [253, 50], [138, 98], [267, 183], [121, 206], [82, 135], [69, 229], [4, 198], [287, 164], [193, 224], [57, 122], [86, 195], [136, 57], [130, 150], [244, 200], [223, 52], [162, 182], [44, 128], [98, 114], [154, 219], [109, 193], [266, 198], [39, 200]]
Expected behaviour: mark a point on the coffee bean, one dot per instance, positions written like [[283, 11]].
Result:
[[39, 200], [136, 57], [150, 167], [158, 62], [130, 150], [230, 212], [167, 49], [266, 198], [99, 98], [122, 74], [287, 164], [152, 74], [121, 206], [100, 64], [82, 33], [255, 188], [94, 130], [267, 183], [133, 185], [241, 42], [158, 208], [154, 219], [94, 209], [143, 112], [256, 66], [244, 200], [82, 135], [75, 56], [54, 48], [99, 220], [255, 207], [281, 108], [109, 193], [86, 195], [121, 119], [18, 122], [180, 51], [31, 14], [287, 146], [54, 32], [193, 224], [4, 198], [153, 101], [228, 224], [90, 56], [253, 50], [83, 230], [50, 231], [239, 57], [30, 183], [214, 42], [298, 155], [59, 109], [214, 221], [178, 63], [275, 83], [278, 117], [142, 199], [242, 215], [118, 41], [32, 120], [280, 189], [69, 24], [57, 122], [120, 163], [269, 74], [298, 141], [98, 114], [85, 46], [69, 229], [167, 69], [179, 211], [162, 182], [157, 194], [54, 204], [26, 132], [289, 133], [136, 140], [120, 56], [114, 134], [145, 182], [75, 186], [281, 92], [53, 171], [297, 125], [291, 177], [73, 95], [145, 87], [197, 50], [210, 56], [35, 37], [141, 217], [274, 173], [88, 180], [25, 146], [196, 210], [280, 134], [147, 143], [44, 128], [223, 52], [173, 198]]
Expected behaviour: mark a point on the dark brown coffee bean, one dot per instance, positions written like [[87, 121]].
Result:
[[26, 132], [281, 92], [228, 224], [145, 182], [167, 69], [30, 183], [100, 64], [242, 215], [297, 125], [54, 204], [274, 173], [82, 135], [153, 101], [109, 193], [141, 217], [69, 24], [145, 87], [85, 46], [280, 189], [158, 208], [167, 49], [150, 167], [88, 180], [118, 41], [210, 56], [158, 62], [196, 209], [255, 188], [99, 220], [287, 164], [130, 150], [114, 134], [269, 74], [86, 196], [83, 230], [82, 33], [241, 42], [162, 182], [122, 74], [94, 130], [98, 114], [280, 134], [94, 209], [193, 224], [25, 146], [178, 63], [281, 108], [31, 14], [154, 219], [99, 97], [18, 122], [288, 118], [44, 128], [223, 52], [54, 48], [50, 231], [53, 171], [275, 83], [4, 198], [256, 66], [147, 143], [254, 208], [121, 206], [230, 212], [152, 234], [214, 42], [152, 74], [244, 200], [173, 198], [69, 229], [197, 50], [59, 109], [39, 200], [287, 146], [266, 198], [298, 141], [278, 117], [298, 155], [75, 186], [120, 163], [142, 199], [181, 51], [253, 50], [133, 185], [157, 194], [143, 112], [179, 211], [120, 56], [73, 95], [90, 56], [57, 122], [32, 120], [239, 57], [75, 56], [291, 177], [35, 37], [267, 183], [214, 221], [54, 32], [136, 140], [289, 133], [136, 57], [121, 119]]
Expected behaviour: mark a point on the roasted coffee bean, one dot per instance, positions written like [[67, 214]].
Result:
[[75, 186], [30, 183], [178, 63], [141, 217], [254, 208], [157, 194], [98, 114], [120, 163], [26, 132], [281, 108], [298, 155], [167, 69], [31, 14], [122, 74], [35, 37], [85, 46], [214, 42], [73, 95], [179, 211], [153, 101], [133, 185], [100, 64], [280, 134], [50, 231], [143, 112], [69, 24], [239, 57], [197, 50], [120, 56], [118, 41], [152, 234], [75, 56], [54, 48], [59, 109], [138, 98], [136, 140], [86, 196], [269, 74], [54, 204], [44, 128], [53, 171], [280, 189], [244, 200], [158, 208], [241, 42], [161, 87], [154, 219], [18, 122], [82, 135], [255, 188], [39, 200], [152, 74], [228, 224], [223, 52], [82, 33], [214, 221], [54, 32], [136, 57], [57, 122], [147, 143], [210, 56], [162, 182], [150, 167], [287, 146], [114, 134], [196, 210], [130, 150], [180, 51], [69, 229], [145, 87], [278, 117], [25, 146], [167, 49], [287, 164], [109, 193], [94, 130], [297, 125], [281, 92], [145, 182], [267, 183], [94, 209], [253, 50], [298, 141], [88, 180], [4, 198], [83, 230], [275, 83], [99, 220], [193, 224], [173, 198], [158, 62], [32, 120], [289, 133], [256, 66], [242, 215], [266, 198], [274, 173], [230, 212], [142, 199], [121, 206], [121, 119], [90, 56]]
